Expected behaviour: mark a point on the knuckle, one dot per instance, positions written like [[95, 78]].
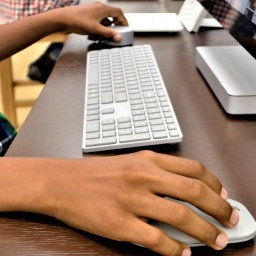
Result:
[[225, 211], [179, 215], [145, 154], [210, 233], [98, 4], [195, 188], [135, 172], [152, 239], [197, 169], [119, 10], [216, 184], [176, 249], [136, 167]]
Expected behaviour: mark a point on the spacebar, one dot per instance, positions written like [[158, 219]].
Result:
[[134, 137]]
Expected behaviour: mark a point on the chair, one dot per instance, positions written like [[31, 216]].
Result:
[[8, 83]]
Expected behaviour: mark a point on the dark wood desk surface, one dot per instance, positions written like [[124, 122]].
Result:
[[225, 144]]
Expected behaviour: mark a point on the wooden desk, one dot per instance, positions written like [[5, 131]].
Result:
[[225, 144]]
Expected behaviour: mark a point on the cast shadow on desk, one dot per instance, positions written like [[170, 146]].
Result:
[[40, 232], [156, 34], [231, 249], [171, 149], [98, 45], [43, 233]]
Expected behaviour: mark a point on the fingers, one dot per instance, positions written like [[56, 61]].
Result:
[[90, 19], [182, 218], [117, 15], [118, 19], [150, 237], [170, 181], [105, 32], [186, 167], [191, 188], [195, 192], [109, 16], [102, 11]]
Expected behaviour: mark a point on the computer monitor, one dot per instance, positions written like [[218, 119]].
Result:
[[231, 70]]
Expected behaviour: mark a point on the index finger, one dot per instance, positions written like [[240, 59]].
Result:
[[189, 168], [118, 16]]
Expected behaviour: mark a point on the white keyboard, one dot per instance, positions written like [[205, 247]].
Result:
[[126, 102]]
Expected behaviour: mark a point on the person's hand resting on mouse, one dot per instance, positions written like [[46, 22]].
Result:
[[112, 196]]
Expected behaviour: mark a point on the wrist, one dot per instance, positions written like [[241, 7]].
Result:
[[28, 184], [57, 22]]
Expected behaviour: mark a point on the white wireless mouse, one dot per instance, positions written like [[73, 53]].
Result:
[[243, 231], [127, 36]]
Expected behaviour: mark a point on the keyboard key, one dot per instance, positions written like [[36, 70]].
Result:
[[120, 97], [159, 135], [109, 134], [123, 119], [134, 137], [93, 69], [93, 126], [93, 135], [107, 111], [125, 132], [106, 97], [174, 133], [108, 121], [102, 141]]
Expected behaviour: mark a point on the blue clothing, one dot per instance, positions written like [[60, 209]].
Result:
[[7, 134]]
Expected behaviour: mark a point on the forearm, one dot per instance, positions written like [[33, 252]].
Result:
[[27, 184], [22, 33]]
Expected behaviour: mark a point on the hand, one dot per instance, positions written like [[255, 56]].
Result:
[[91, 19], [112, 197], [83, 19]]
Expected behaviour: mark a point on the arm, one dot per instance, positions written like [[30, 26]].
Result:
[[83, 19], [121, 192]]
